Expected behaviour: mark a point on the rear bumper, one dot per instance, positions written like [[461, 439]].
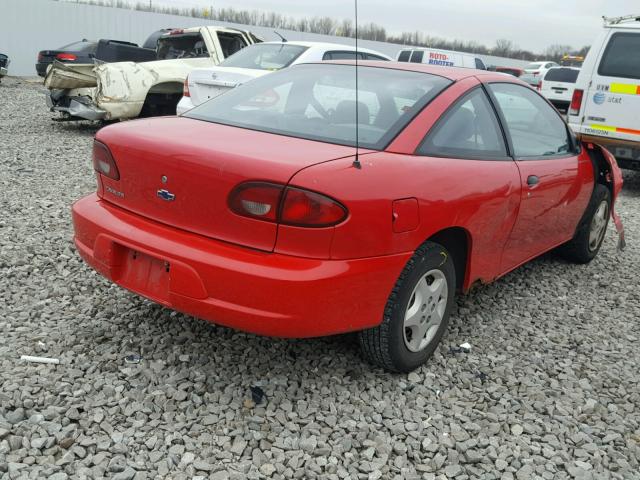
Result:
[[41, 69], [259, 292], [75, 107]]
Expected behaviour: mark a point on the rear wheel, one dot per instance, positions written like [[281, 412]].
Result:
[[590, 234], [416, 314]]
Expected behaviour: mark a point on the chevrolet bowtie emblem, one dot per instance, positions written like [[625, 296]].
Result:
[[166, 195]]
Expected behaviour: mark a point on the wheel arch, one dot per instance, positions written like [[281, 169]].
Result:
[[457, 241]]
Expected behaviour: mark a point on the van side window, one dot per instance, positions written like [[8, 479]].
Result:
[[404, 56], [469, 129], [417, 56], [622, 56]]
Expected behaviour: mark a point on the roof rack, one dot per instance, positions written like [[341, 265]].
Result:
[[619, 20]]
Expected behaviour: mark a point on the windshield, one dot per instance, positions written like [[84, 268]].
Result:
[[189, 45], [318, 102], [567, 75], [265, 56]]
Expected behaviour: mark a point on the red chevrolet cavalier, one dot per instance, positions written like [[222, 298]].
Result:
[[259, 211]]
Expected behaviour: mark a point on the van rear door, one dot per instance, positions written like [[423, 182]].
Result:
[[612, 101]]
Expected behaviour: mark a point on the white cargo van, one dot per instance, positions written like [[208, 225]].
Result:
[[605, 107], [443, 58]]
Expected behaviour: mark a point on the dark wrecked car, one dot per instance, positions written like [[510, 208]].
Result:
[[86, 51], [4, 65]]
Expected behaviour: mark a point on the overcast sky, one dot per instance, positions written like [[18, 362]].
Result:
[[530, 24]]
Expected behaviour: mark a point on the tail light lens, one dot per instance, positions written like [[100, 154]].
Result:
[[309, 209], [287, 205], [185, 89], [103, 161], [576, 102], [67, 57]]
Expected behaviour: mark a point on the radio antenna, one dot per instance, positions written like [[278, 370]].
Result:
[[356, 162]]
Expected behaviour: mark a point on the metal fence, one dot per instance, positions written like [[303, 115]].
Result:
[[28, 26]]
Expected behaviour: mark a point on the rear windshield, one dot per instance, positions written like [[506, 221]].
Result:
[[319, 102], [265, 56], [622, 56], [188, 45], [80, 47], [567, 75], [534, 66]]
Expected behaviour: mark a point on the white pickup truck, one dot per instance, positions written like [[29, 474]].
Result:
[[122, 90]]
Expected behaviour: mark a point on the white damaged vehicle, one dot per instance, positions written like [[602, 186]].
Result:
[[122, 90], [203, 84]]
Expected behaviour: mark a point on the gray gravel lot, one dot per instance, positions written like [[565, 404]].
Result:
[[549, 389]]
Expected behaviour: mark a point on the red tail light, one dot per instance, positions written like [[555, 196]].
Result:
[[539, 87], [287, 205], [67, 57], [576, 102], [309, 209], [185, 89], [103, 161]]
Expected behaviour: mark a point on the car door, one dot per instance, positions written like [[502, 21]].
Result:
[[556, 180]]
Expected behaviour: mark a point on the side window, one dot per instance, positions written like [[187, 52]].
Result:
[[622, 56], [339, 56], [535, 128], [404, 56], [469, 129], [371, 56], [231, 43], [417, 56]]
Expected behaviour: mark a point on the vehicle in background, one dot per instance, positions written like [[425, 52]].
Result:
[[558, 84], [121, 90], [260, 59], [442, 58], [516, 72], [572, 61], [534, 72], [530, 79], [85, 52], [308, 202], [605, 107], [4, 65]]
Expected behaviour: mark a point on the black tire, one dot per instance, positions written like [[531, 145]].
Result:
[[385, 344], [581, 248]]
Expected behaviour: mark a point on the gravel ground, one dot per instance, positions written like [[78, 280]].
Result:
[[548, 390]]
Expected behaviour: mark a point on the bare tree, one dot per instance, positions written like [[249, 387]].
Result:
[[503, 47]]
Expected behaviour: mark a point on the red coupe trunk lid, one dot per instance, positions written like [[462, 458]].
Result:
[[180, 171]]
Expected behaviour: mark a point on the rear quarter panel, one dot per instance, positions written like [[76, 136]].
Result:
[[482, 197]]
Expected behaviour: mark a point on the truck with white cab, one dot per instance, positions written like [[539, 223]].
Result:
[[122, 90]]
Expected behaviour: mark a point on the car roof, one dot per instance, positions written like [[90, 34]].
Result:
[[322, 45], [452, 73]]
